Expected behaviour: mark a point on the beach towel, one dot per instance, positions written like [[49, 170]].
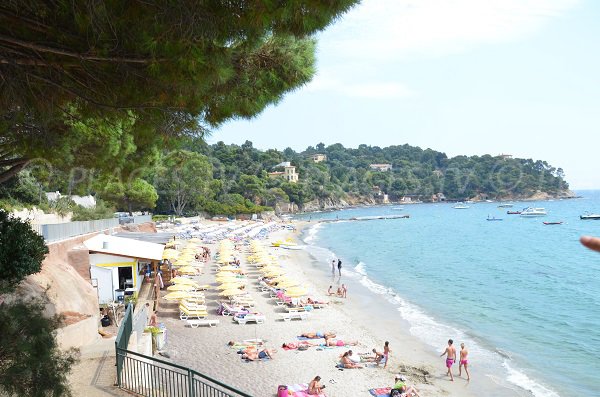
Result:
[[380, 392], [301, 390]]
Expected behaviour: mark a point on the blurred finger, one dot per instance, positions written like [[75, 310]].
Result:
[[592, 243]]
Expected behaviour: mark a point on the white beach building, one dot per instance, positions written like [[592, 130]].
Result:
[[117, 264]]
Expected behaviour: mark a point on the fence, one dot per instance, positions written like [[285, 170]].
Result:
[[61, 231], [142, 219], [153, 377]]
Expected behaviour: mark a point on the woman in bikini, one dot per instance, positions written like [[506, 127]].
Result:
[[314, 387], [348, 363], [329, 341]]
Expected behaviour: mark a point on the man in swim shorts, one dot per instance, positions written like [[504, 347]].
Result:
[[450, 354], [464, 354]]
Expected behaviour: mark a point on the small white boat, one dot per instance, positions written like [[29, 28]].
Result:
[[531, 212], [460, 206], [588, 216]]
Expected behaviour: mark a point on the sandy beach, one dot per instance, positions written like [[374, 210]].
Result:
[[361, 316]]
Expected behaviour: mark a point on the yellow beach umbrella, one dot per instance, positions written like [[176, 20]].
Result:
[[287, 284], [177, 295], [170, 253], [183, 280], [187, 270], [295, 292], [181, 287], [232, 292], [230, 285]]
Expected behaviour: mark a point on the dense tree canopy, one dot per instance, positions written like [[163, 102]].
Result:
[[174, 66]]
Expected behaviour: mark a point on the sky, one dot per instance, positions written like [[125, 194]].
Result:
[[464, 77]]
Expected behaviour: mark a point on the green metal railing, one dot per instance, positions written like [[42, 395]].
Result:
[[152, 377]]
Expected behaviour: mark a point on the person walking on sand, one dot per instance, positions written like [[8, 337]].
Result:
[[344, 291], [450, 354], [340, 267], [333, 267], [464, 361]]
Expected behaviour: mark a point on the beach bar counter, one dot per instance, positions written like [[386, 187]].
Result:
[[118, 264]]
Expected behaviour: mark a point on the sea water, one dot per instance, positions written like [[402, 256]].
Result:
[[524, 296]]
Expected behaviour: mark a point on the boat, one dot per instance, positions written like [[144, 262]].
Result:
[[552, 223], [460, 206], [588, 216], [513, 212], [505, 205], [493, 218], [532, 212]]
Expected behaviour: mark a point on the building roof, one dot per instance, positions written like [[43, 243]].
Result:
[[124, 247]]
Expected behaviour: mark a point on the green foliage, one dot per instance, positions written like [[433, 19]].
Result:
[[183, 180], [101, 211], [242, 169], [31, 364], [132, 195], [138, 74], [160, 218], [233, 204], [21, 252]]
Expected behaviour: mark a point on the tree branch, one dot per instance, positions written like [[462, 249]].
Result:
[[14, 170], [58, 51]]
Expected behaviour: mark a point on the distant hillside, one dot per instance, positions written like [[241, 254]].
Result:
[[240, 179], [363, 175]]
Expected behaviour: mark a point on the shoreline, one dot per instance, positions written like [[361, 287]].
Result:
[[363, 316], [411, 352], [531, 198]]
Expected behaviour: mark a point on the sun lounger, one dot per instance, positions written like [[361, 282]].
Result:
[[231, 310], [294, 315], [250, 317], [196, 323], [187, 311]]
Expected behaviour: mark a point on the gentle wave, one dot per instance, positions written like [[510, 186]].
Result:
[[312, 232], [427, 329], [519, 378]]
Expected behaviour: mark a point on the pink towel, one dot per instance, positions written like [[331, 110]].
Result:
[[301, 390]]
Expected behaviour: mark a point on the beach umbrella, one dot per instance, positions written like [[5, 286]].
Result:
[[229, 269], [177, 295], [232, 292], [181, 287], [230, 285], [188, 270], [295, 292], [183, 280], [170, 253], [287, 284]]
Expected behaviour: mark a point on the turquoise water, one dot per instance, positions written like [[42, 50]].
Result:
[[523, 295]]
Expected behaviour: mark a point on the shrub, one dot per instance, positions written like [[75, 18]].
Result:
[[21, 251]]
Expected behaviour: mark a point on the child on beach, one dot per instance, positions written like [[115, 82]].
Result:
[[386, 353]]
